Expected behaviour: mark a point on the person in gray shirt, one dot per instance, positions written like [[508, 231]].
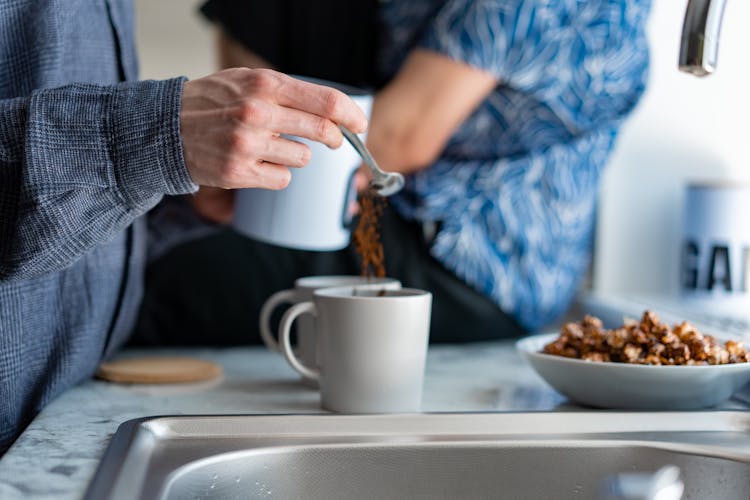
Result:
[[86, 151]]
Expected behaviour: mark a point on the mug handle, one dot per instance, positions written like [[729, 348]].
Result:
[[275, 300], [285, 328], [347, 219]]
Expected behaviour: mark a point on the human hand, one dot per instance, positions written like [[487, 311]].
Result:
[[232, 121]]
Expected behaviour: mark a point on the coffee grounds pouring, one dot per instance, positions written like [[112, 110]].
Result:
[[367, 234]]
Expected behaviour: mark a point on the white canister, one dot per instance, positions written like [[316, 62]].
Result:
[[716, 246], [312, 213]]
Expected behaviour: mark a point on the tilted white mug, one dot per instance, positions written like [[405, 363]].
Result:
[[303, 291], [313, 212], [372, 347]]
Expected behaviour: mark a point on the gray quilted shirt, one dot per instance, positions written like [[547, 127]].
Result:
[[85, 152]]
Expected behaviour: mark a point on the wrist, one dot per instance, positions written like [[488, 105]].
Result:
[[145, 142]]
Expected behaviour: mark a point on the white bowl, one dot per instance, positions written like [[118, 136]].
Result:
[[622, 385]]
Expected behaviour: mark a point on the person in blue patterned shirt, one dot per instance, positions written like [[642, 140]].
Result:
[[515, 184], [502, 113]]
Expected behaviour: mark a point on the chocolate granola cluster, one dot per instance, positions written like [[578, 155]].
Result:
[[648, 342]]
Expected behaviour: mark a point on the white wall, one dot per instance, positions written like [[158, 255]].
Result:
[[685, 128], [173, 39]]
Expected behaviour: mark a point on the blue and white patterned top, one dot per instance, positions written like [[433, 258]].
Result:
[[515, 190]]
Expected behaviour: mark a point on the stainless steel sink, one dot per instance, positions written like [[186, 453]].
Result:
[[507, 455]]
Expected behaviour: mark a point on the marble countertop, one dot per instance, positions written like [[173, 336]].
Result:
[[57, 455]]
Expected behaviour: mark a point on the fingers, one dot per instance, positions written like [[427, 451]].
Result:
[[319, 100], [266, 175], [323, 101], [274, 176], [286, 152], [267, 147], [253, 174], [261, 116], [294, 122]]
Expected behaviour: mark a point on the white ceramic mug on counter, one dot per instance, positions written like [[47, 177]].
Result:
[[313, 212], [372, 347], [303, 291]]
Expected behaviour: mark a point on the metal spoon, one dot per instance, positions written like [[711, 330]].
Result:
[[385, 183]]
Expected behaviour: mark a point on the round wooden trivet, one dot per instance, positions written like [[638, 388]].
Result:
[[158, 370]]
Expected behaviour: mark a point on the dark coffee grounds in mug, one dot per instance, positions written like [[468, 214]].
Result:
[[367, 234]]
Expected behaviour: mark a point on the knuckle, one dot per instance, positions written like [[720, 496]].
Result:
[[305, 155], [265, 148], [264, 80], [245, 110], [297, 155], [234, 72], [253, 112], [332, 103], [321, 129], [253, 170], [237, 142]]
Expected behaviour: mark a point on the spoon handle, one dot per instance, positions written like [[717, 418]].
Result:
[[385, 183], [357, 144]]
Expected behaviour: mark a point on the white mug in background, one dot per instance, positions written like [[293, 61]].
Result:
[[313, 212], [716, 246], [303, 291], [372, 347]]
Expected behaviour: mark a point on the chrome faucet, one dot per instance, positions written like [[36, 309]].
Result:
[[699, 48]]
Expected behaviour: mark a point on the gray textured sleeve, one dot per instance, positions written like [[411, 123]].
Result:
[[81, 162]]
